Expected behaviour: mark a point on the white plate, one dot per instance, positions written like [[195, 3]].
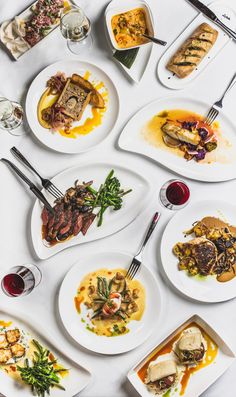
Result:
[[139, 66], [113, 221], [82, 143], [208, 289], [139, 330], [131, 139], [226, 15], [203, 378], [77, 379]]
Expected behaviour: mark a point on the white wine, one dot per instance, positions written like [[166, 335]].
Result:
[[74, 25], [11, 115], [6, 109]]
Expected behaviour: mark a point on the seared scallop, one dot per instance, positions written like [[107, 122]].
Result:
[[13, 335], [5, 355], [3, 341], [17, 350]]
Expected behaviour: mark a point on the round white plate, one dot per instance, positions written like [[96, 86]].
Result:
[[228, 17], [82, 143], [207, 289], [114, 221], [131, 139], [139, 330]]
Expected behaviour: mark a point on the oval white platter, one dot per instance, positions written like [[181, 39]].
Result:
[[78, 377], [224, 13], [139, 330], [114, 221], [209, 289], [140, 64], [82, 143], [131, 139]]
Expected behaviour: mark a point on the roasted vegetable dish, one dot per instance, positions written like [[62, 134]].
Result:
[[128, 28], [192, 52], [74, 212], [211, 252]]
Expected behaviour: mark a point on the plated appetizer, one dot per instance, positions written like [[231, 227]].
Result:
[[212, 251], [107, 302], [30, 27], [77, 209], [192, 52], [171, 365], [185, 133], [29, 363], [65, 101]]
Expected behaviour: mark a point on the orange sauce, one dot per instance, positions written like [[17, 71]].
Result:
[[211, 353], [5, 324], [64, 372], [78, 300]]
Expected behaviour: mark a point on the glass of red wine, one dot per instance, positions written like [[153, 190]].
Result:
[[21, 280], [175, 194]]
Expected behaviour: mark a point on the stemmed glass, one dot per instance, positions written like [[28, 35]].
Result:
[[76, 28], [21, 280], [11, 116]]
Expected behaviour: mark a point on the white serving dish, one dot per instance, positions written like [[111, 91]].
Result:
[[131, 139], [123, 7], [224, 13], [114, 221], [139, 330], [203, 378], [141, 61], [77, 379], [208, 289]]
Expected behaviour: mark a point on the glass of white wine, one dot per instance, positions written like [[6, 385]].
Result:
[[76, 28], [11, 116]]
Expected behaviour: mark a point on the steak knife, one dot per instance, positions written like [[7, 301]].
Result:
[[33, 188], [211, 15]]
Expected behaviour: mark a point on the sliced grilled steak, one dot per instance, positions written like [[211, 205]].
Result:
[[205, 254], [87, 221]]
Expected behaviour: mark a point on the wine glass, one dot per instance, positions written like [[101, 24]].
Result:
[[11, 116], [76, 28], [174, 194], [21, 280]]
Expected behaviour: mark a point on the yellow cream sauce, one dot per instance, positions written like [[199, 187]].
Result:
[[105, 327], [211, 353], [89, 124], [153, 134]]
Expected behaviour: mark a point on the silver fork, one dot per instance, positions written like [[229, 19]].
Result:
[[137, 259], [213, 112], [46, 183]]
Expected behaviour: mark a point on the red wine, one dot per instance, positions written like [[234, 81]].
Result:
[[177, 193], [174, 194], [13, 284]]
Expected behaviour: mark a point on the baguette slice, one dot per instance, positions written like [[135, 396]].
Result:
[[192, 51]]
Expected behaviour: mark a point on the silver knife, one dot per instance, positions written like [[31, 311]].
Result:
[[210, 14]]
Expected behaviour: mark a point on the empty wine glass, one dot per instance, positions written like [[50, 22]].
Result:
[[76, 28], [21, 280], [11, 116]]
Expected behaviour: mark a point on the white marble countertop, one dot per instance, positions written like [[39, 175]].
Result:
[[109, 373]]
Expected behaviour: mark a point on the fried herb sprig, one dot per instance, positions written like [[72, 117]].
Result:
[[41, 375], [109, 194]]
